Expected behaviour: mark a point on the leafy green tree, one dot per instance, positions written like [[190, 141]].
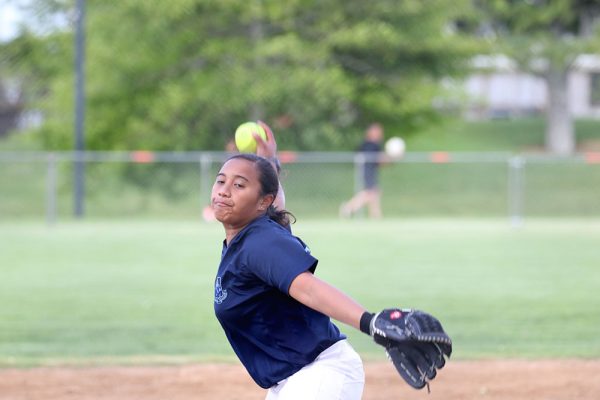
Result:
[[181, 75], [545, 37]]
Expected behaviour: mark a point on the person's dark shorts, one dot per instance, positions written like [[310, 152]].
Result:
[[370, 177]]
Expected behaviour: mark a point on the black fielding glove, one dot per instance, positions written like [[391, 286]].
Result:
[[414, 341]]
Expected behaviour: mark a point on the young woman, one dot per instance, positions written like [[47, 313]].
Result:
[[274, 311]]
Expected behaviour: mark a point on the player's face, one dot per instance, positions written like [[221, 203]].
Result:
[[235, 196]]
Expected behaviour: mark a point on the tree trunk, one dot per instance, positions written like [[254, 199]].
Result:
[[560, 133]]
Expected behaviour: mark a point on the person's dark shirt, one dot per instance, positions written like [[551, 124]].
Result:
[[371, 165], [273, 335]]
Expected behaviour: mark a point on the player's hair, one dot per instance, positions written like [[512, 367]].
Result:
[[269, 184]]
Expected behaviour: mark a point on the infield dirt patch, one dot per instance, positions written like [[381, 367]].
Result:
[[490, 380]]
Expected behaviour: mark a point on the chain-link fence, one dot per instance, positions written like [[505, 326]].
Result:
[[177, 185]]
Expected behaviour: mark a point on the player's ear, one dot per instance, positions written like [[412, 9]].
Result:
[[265, 202]]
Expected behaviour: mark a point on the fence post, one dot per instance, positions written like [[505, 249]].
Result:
[[51, 190], [515, 190]]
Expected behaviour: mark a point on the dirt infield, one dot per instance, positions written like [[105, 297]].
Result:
[[493, 380]]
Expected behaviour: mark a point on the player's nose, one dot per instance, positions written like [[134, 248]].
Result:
[[224, 191]]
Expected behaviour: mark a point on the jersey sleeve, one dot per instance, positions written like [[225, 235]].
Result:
[[281, 258]]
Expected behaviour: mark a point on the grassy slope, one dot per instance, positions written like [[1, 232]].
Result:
[[517, 135]]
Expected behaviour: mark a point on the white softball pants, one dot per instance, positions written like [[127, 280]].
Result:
[[336, 374]]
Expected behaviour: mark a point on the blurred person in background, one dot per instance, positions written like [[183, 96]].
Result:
[[370, 194]]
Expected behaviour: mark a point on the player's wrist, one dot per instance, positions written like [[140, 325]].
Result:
[[365, 322], [276, 163]]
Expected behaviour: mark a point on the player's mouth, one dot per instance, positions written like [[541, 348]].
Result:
[[221, 204]]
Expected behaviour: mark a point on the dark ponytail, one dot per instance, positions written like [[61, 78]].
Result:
[[282, 217], [269, 184]]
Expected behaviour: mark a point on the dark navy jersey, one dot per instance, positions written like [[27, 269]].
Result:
[[273, 335]]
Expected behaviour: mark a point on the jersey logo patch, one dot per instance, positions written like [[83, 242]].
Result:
[[220, 294]]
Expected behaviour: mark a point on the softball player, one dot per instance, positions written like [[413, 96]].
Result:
[[274, 311]]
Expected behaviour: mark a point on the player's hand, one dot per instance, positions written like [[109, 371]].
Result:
[[268, 148]]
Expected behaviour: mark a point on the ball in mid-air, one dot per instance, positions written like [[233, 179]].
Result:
[[244, 141], [395, 147]]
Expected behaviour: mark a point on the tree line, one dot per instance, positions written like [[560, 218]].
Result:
[[181, 75]]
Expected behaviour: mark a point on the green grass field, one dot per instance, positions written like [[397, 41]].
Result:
[[133, 292]]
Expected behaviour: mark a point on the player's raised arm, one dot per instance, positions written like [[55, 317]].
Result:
[[268, 149]]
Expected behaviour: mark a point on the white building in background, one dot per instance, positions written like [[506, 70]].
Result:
[[501, 90]]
